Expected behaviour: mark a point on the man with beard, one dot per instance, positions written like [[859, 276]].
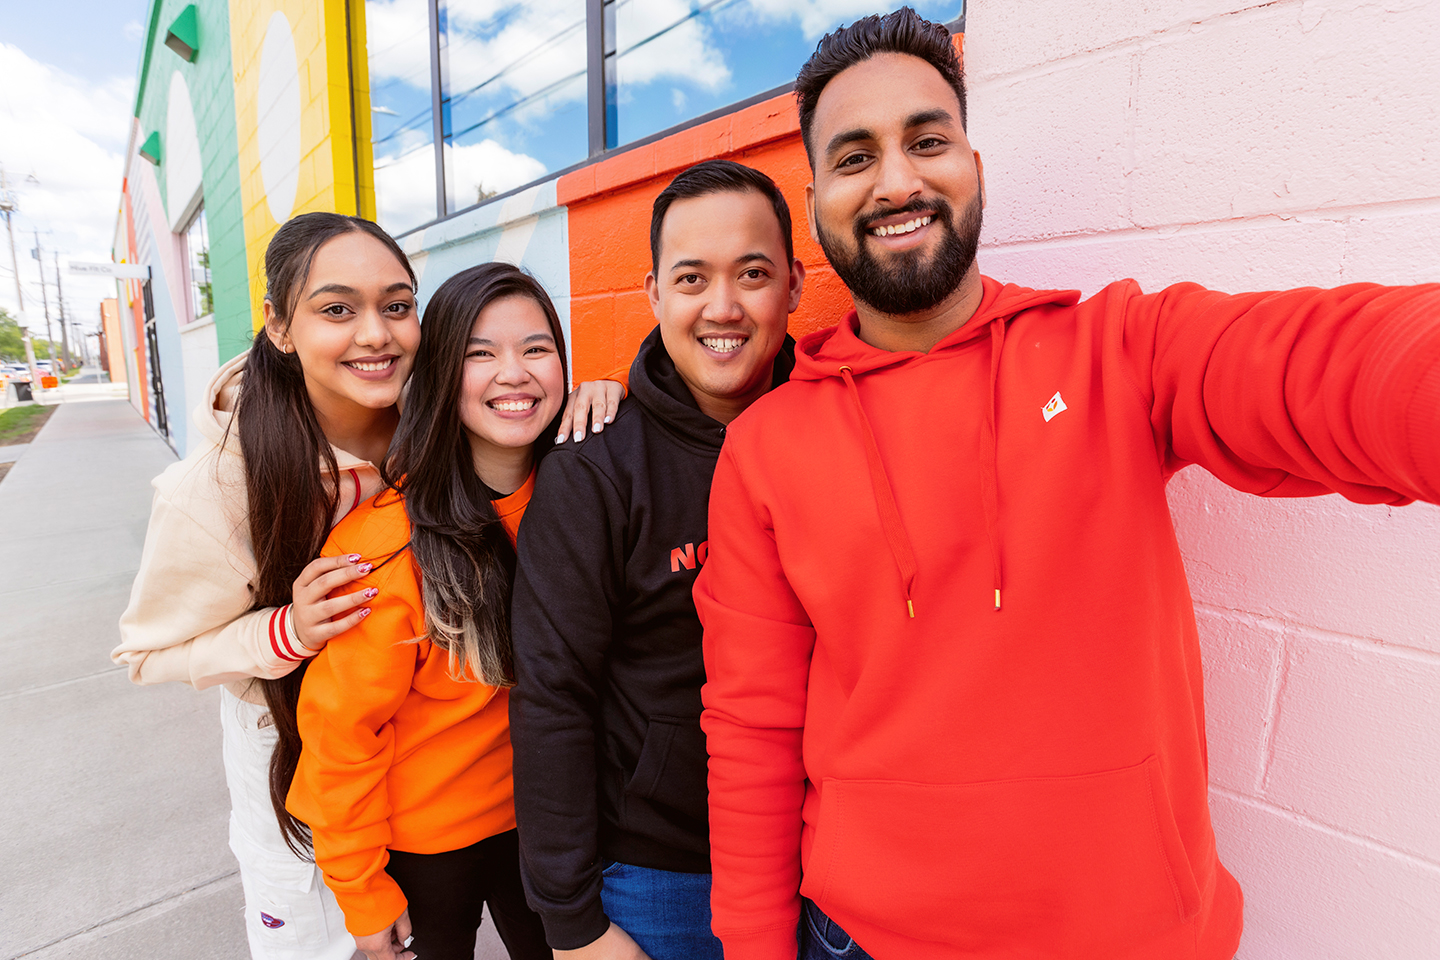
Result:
[[961, 687]]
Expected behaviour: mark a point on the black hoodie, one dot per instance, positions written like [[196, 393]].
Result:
[[610, 760]]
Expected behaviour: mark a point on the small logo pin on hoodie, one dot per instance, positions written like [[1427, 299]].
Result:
[[1056, 405]]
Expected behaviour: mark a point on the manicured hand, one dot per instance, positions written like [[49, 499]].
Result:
[[318, 619], [388, 944], [613, 944], [593, 402]]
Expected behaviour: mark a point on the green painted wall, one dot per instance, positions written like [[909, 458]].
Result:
[[212, 92]]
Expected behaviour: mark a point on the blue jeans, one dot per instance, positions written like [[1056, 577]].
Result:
[[667, 913], [822, 939]]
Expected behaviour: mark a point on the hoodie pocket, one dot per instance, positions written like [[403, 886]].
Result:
[[1072, 866], [672, 766]]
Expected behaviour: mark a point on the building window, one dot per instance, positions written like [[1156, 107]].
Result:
[[513, 92], [675, 60], [197, 255]]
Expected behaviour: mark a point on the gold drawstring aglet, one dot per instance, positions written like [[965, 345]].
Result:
[[997, 598], [910, 605]]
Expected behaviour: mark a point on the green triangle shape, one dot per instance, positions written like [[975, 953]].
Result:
[[150, 149], [184, 34]]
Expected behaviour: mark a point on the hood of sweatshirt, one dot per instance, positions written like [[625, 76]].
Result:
[[215, 416], [657, 385], [839, 352]]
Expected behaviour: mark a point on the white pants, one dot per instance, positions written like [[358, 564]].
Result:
[[289, 912]]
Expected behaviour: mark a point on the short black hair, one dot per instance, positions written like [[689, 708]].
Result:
[[903, 31], [719, 176]]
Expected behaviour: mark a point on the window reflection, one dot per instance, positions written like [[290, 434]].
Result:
[[397, 33], [515, 80], [679, 59], [197, 253]]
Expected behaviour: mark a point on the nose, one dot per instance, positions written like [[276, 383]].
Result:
[[372, 332], [897, 181], [721, 303], [512, 369]]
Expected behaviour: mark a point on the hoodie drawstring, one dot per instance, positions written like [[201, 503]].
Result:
[[989, 454], [895, 534]]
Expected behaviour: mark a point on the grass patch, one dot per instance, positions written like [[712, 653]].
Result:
[[20, 424]]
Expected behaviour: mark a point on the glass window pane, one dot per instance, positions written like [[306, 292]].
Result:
[[397, 33], [197, 249], [678, 59], [515, 79]]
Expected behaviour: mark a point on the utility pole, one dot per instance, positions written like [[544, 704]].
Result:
[[8, 206], [45, 301], [60, 296]]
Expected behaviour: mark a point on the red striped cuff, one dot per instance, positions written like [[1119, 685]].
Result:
[[280, 636]]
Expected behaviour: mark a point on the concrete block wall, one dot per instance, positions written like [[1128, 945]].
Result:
[[1254, 146]]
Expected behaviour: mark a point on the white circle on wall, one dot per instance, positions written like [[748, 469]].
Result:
[[181, 154], [278, 106]]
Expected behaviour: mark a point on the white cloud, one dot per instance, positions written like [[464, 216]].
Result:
[[520, 49], [133, 31], [70, 136], [405, 184], [818, 17]]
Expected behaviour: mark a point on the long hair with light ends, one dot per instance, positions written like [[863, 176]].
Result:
[[290, 502], [464, 556]]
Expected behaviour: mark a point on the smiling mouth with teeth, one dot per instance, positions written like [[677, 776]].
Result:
[[723, 344], [909, 226], [513, 406], [370, 366]]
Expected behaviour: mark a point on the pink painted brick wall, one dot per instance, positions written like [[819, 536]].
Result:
[[1253, 146]]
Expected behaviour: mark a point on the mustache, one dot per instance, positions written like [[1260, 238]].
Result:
[[938, 208]]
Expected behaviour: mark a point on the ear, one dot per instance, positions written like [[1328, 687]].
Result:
[[273, 331], [810, 210], [797, 283], [980, 176], [652, 292]]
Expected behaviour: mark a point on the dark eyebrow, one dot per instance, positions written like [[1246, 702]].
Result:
[[925, 117], [919, 119], [685, 264], [845, 138], [340, 288], [753, 257], [533, 338]]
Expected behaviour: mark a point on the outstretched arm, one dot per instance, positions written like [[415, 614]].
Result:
[[1296, 392]]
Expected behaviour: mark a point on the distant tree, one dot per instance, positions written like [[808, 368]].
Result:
[[12, 347]]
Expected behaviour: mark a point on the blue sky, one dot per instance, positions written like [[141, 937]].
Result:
[[65, 109]]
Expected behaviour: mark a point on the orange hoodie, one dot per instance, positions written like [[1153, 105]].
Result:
[[953, 678], [396, 754]]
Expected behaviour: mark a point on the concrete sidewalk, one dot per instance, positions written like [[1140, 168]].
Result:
[[113, 806]]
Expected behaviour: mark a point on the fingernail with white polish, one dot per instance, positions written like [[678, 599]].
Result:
[[579, 435]]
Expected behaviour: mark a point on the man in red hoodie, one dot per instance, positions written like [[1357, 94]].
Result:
[[953, 706]]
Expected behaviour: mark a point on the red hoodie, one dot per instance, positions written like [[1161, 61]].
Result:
[[952, 662]]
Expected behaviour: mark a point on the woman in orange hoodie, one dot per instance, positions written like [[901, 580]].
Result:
[[404, 773]]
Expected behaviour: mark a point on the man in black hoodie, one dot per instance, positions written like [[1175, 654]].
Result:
[[610, 762]]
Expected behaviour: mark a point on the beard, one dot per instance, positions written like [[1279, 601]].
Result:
[[910, 282]]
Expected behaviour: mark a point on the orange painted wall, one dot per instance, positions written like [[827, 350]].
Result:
[[609, 221]]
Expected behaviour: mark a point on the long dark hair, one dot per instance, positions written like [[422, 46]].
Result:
[[464, 556], [290, 500]]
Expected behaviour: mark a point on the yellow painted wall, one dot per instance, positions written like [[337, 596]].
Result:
[[332, 68]]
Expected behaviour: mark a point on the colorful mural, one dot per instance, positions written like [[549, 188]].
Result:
[[252, 111]]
